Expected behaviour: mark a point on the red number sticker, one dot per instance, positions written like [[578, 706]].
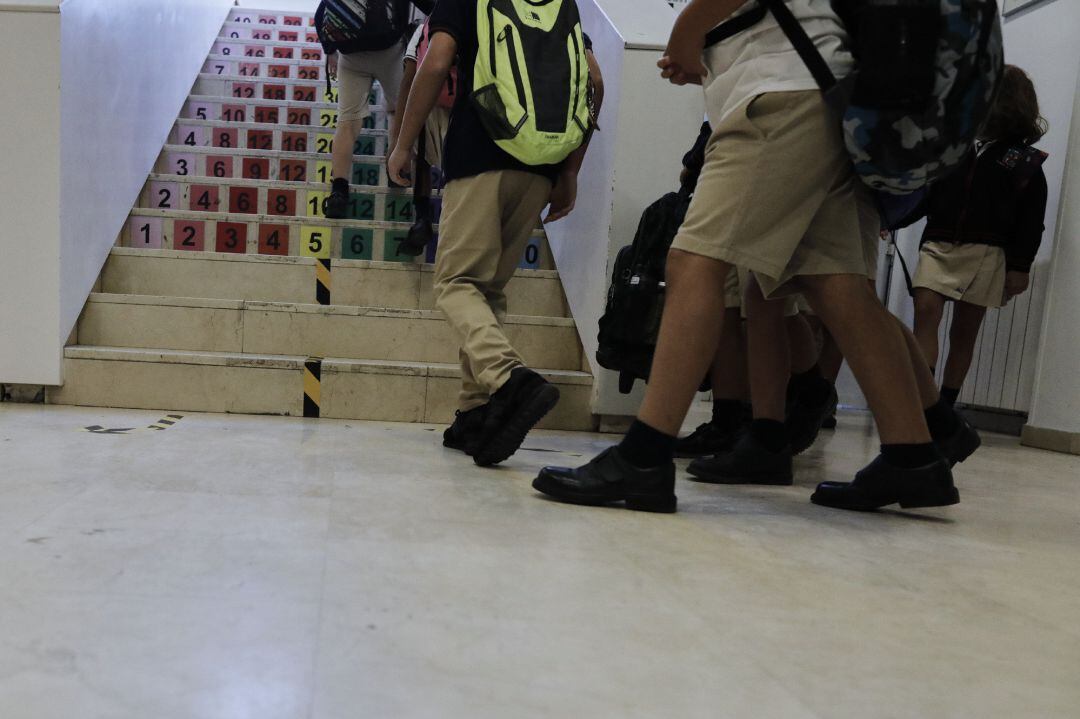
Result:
[[283, 52], [256, 168], [292, 20], [231, 237], [273, 92], [294, 141], [266, 115], [292, 171], [249, 69], [219, 166], [288, 36], [234, 113], [226, 137], [281, 71], [203, 198], [189, 236], [260, 140], [244, 200], [281, 203], [273, 239]]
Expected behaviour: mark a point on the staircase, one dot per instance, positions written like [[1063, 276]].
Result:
[[228, 279]]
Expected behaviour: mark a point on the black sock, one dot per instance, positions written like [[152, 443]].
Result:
[[941, 419], [810, 386], [340, 184], [910, 456], [726, 412], [950, 394], [769, 433], [645, 447]]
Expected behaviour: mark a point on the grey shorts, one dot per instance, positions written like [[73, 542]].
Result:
[[358, 71]]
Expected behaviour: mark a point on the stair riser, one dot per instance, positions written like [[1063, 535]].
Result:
[[246, 390], [223, 109], [295, 282], [225, 135], [307, 70], [258, 331]]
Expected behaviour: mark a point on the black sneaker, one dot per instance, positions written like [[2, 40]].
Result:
[[608, 479], [804, 419], [514, 410], [417, 239], [708, 439], [336, 205], [830, 418], [881, 484], [961, 444], [747, 463], [465, 431]]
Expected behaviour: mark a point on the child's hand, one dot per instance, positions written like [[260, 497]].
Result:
[[563, 197], [399, 166], [681, 63], [331, 65]]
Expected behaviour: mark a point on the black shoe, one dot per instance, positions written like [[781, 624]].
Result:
[[881, 484], [747, 463], [829, 422], [804, 419], [464, 433], [608, 479], [708, 439], [830, 418], [513, 410], [418, 238], [961, 444], [336, 205]]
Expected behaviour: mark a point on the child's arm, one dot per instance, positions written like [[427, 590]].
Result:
[[407, 77], [426, 87], [682, 61]]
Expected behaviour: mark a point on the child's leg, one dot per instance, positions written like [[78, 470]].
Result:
[[728, 373], [967, 319], [769, 353], [688, 338], [354, 87], [875, 349], [929, 308]]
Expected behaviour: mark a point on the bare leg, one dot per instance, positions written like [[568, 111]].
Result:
[[729, 370], [928, 391], [804, 349], [767, 343], [875, 349], [830, 358], [689, 334], [929, 308], [344, 140], [967, 319]]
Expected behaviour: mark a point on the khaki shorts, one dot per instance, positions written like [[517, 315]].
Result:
[[435, 128], [963, 272], [735, 286], [778, 195], [357, 72]]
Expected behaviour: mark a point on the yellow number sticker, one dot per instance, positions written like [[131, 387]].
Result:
[[316, 204], [324, 143], [315, 242], [324, 171]]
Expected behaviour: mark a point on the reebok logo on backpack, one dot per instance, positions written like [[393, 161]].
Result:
[[531, 78]]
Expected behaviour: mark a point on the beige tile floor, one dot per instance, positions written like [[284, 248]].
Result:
[[253, 567]]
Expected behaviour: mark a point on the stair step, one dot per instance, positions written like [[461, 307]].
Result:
[[264, 136], [217, 325], [272, 49], [285, 68], [292, 279], [265, 88], [211, 125], [274, 16], [281, 35], [269, 184], [241, 110], [251, 383]]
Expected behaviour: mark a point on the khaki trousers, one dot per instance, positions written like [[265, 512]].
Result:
[[486, 223]]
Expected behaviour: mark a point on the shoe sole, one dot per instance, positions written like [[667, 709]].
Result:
[[638, 503], [509, 439], [943, 498]]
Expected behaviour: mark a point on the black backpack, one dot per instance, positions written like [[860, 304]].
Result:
[[635, 302], [348, 26]]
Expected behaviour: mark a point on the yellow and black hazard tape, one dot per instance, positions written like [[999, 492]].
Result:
[[322, 281], [164, 423], [312, 386]]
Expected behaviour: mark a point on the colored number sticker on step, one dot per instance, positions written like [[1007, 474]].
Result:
[[316, 204], [219, 165], [281, 202], [330, 95], [324, 171], [328, 118], [250, 69], [273, 92], [284, 53], [298, 116], [219, 67], [361, 207], [200, 111], [145, 233], [254, 51], [293, 20], [189, 236], [224, 48], [244, 200], [292, 171], [531, 258], [308, 73], [365, 145], [191, 135], [256, 168], [304, 93], [225, 137], [399, 208], [288, 36], [180, 164], [357, 244], [366, 174], [273, 239], [294, 141], [260, 139], [231, 237], [204, 198], [243, 90], [324, 144], [164, 196], [234, 113], [267, 115], [315, 241], [278, 71], [392, 248], [308, 54]]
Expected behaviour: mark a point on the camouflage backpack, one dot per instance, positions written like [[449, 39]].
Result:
[[927, 74]]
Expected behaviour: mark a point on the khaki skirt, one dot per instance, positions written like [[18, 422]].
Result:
[[969, 273]]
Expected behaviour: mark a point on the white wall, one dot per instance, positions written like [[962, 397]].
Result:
[[1057, 391], [295, 5], [106, 82], [29, 188], [646, 126]]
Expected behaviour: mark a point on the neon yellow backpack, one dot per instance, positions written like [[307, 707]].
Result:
[[531, 78]]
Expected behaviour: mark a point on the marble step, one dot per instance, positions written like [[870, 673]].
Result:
[[280, 328], [247, 383], [264, 278]]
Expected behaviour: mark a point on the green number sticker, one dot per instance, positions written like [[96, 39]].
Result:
[[362, 207], [365, 174], [391, 246], [364, 146], [357, 244], [399, 209]]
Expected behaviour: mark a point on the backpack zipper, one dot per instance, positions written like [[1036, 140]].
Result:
[[511, 48], [577, 76]]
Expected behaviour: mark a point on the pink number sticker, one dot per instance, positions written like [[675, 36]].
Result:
[[200, 111], [189, 236], [191, 135], [249, 69], [181, 164], [145, 232], [164, 196]]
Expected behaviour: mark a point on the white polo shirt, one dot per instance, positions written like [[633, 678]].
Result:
[[762, 59]]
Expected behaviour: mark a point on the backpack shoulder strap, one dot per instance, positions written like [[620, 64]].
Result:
[[815, 63], [737, 24]]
